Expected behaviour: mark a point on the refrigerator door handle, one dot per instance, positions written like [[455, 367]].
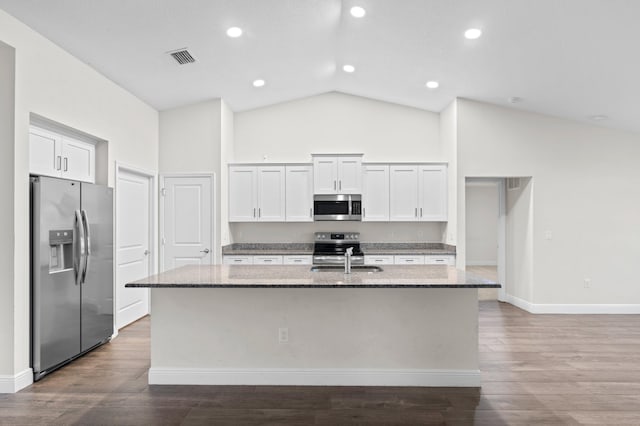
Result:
[[87, 246], [79, 257]]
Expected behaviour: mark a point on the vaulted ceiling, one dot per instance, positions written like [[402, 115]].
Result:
[[569, 58]]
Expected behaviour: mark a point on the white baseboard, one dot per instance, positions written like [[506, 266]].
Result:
[[482, 263], [574, 308], [313, 377], [16, 382]]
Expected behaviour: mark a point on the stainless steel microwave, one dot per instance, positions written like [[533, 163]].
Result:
[[337, 207]]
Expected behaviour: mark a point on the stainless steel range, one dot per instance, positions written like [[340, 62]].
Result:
[[330, 247]]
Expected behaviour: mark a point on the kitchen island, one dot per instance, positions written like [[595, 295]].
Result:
[[286, 325]]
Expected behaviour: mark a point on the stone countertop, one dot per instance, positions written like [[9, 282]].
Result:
[[295, 276], [293, 249]]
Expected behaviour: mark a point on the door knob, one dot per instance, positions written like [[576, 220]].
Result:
[[205, 251], [146, 252]]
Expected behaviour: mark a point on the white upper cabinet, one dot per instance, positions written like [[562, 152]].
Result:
[[56, 155], [433, 192], [299, 193], [418, 192], [256, 193], [243, 193], [337, 174], [375, 193], [403, 193], [271, 194]]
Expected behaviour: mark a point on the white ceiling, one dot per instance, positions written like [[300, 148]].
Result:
[[569, 58]]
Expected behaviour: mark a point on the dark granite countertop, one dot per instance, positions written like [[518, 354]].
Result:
[[295, 276], [292, 249]]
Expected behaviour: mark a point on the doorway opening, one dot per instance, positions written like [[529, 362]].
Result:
[[485, 232]]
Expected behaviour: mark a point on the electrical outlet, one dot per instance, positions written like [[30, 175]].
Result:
[[283, 335], [587, 283]]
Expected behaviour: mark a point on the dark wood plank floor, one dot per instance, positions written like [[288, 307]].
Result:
[[536, 369]]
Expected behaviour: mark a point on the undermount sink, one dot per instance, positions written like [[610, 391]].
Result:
[[338, 268]]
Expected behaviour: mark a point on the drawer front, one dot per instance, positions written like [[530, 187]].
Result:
[[237, 260], [298, 260], [409, 260], [267, 260], [440, 260], [378, 260]]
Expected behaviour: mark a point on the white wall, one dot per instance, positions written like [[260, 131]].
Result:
[[227, 156], [482, 210], [190, 142], [449, 150], [55, 85], [337, 123], [586, 185], [7, 119]]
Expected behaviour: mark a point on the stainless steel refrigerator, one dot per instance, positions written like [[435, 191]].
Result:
[[71, 270]]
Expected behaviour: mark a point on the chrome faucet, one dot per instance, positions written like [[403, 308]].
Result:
[[347, 260]]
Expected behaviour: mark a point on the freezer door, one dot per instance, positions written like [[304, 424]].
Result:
[[55, 296], [97, 283]]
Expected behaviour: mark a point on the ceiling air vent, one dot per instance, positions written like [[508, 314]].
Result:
[[182, 56]]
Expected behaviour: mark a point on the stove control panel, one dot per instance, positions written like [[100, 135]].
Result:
[[337, 236]]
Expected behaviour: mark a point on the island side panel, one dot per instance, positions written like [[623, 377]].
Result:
[[420, 337]]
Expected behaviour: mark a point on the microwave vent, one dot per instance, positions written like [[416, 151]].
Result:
[[513, 183]]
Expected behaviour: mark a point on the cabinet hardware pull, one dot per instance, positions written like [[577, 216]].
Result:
[[259, 212], [334, 185], [310, 212], [58, 162], [363, 212], [340, 185], [65, 164], [416, 212], [254, 212], [420, 211]]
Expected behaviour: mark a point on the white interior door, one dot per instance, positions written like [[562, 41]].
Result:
[[133, 240], [187, 221]]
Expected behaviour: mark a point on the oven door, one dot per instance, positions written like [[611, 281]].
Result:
[[331, 207]]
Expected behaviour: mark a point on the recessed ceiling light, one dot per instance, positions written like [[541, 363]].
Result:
[[234, 32], [258, 83], [432, 84], [598, 117], [515, 100], [473, 33], [348, 68], [358, 12]]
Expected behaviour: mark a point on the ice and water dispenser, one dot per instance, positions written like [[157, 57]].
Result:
[[60, 250]]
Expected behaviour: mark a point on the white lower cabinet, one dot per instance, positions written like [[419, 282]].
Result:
[[237, 260], [409, 260], [378, 260], [298, 260], [440, 260], [267, 260]]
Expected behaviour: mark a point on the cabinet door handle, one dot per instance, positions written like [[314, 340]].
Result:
[[254, 212], [363, 212], [420, 211], [416, 212], [340, 185], [65, 164], [58, 162], [259, 212], [310, 212], [334, 185]]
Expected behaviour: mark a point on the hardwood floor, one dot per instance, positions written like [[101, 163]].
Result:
[[536, 369]]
